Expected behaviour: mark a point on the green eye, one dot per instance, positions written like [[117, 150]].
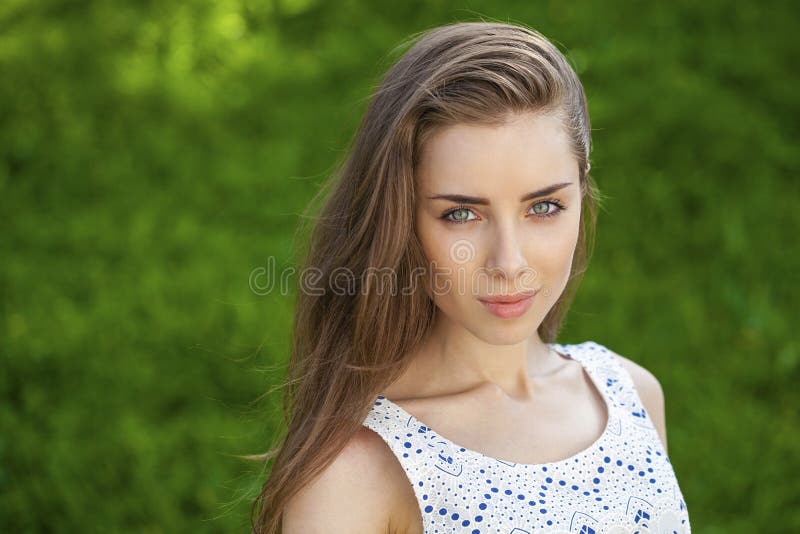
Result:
[[461, 214], [544, 214], [458, 215], [538, 211]]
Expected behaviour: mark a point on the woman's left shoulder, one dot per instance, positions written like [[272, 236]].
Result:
[[647, 386], [641, 375]]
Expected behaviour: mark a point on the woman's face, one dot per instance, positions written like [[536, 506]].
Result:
[[498, 213]]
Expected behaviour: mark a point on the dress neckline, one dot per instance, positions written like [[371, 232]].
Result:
[[573, 352]]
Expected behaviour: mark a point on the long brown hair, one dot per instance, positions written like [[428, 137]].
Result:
[[347, 346]]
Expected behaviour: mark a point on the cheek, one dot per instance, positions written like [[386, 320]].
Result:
[[554, 246], [551, 254], [451, 259], [454, 257], [435, 240]]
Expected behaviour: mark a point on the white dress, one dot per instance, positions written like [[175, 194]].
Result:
[[622, 483]]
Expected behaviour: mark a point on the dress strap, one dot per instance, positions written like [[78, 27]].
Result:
[[619, 385]]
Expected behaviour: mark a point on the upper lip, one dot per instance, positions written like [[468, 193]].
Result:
[[508, 299]]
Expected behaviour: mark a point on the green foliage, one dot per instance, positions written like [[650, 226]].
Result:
[[153, 154]]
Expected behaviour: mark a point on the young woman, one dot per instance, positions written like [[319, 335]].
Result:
[[440, 402]]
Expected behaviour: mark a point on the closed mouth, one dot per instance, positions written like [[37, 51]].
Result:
[[507, 299]]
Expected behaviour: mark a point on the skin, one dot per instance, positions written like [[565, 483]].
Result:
[[479, 379], [511, 247]]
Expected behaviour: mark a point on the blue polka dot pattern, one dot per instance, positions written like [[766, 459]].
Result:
[[623, 482]]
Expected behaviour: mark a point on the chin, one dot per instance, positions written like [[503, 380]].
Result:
[[505, 334]]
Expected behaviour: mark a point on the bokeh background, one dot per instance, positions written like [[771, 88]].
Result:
[[153, 155]]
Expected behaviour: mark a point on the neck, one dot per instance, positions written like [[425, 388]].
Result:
[[454, 360]]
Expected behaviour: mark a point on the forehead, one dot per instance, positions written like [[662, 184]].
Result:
[[528, 149]]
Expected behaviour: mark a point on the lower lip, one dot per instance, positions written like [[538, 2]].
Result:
[[510, 310]]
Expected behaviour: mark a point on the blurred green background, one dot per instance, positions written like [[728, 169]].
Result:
[[154, 154]]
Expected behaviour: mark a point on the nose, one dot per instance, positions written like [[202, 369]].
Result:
[[506, 259]]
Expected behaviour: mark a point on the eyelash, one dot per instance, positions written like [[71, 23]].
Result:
[[553, 201]]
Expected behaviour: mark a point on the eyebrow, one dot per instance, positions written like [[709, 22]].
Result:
[[485, 201]]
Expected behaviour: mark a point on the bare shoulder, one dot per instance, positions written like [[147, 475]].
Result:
[[650, 391], [344, 497], [358, 492]]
